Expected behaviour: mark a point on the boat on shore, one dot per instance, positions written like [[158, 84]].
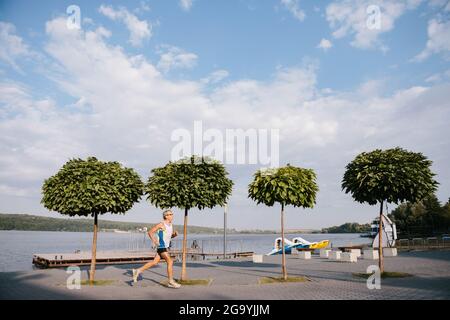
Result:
[[389, 232], [367, 235], [296, 243]]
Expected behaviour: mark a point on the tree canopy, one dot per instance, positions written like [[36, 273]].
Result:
[[349, 227], [192, 182], [287, 185], [85, 187], [393, 175], [423, 218]]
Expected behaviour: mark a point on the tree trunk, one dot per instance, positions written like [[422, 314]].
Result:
[[183, 265], [380, 241], [94, 251], [283, 258], [225, 231]]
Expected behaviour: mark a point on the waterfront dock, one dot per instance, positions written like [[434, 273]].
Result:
[[58, 260]]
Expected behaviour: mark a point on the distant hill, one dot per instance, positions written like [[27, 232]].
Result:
[[349, 227], [38, 223], [296, 231]]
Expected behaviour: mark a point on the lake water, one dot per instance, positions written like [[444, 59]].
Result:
[[17, 247]]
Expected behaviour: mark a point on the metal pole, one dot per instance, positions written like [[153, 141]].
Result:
[[225, 231]]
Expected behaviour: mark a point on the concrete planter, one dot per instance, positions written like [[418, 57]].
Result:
[[324, 253], [357, 252], [370, 255], [349, 257], [334, 255], [389, 252], [305, 255], [258, 258]]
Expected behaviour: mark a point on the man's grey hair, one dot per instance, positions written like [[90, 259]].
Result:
[[165, 212]]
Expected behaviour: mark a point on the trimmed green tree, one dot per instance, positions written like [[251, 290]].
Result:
[[89, 188], [192, 182], [392, 175], [287, 186], [425, 218]]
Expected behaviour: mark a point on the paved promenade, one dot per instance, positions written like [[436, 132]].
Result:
[[238, 279]]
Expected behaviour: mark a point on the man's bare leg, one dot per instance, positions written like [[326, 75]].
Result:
[[145, 267], [169, 261], [150, 264], [172, 283]]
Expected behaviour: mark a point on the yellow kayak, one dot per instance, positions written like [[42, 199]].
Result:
[[319, 245]]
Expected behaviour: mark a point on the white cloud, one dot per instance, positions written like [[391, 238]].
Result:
[[351, 17], [371, 88], [12, 46], [14, 191], [134, 108], [438, 40], [216, 76], [294, 7], [186, 4], [325, 44], [172, 57], [34, 137], [139, 29], [433, 78], [438, 77], [143, 7]]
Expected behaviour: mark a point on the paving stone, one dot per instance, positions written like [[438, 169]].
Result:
[[238, 279]]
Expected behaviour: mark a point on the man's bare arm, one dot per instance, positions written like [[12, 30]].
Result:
[[174, 233], [152, 231]]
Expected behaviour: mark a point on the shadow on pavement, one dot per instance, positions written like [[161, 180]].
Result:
[[17, 286], [245, 264], [430, 254]]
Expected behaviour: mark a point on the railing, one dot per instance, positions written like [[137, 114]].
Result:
[[203, 247], [424, 243], [211, 247]]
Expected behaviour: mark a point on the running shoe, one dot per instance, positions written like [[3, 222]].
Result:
[[173, 284], [135, 275]]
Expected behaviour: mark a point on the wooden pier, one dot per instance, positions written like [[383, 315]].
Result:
[[56, 260]]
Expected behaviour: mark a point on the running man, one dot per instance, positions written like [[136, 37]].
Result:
[[165, 234]]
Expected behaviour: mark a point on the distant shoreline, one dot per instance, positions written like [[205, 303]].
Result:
[[27, 222], [136, 232]]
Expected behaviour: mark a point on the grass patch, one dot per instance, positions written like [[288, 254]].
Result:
[[190, 282], [98, 282], [267, 280], [384, 275]]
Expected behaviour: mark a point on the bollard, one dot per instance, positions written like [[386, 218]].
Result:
[[324, 253]]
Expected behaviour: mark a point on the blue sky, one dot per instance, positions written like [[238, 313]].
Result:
[[137, 70], [230, 34]]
